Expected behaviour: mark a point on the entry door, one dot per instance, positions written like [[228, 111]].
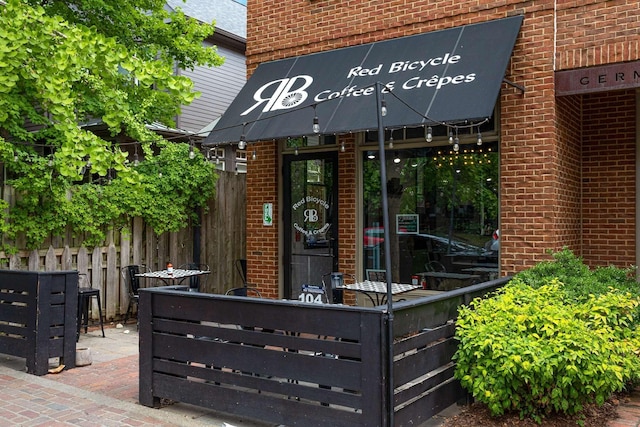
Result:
[[310, 219]]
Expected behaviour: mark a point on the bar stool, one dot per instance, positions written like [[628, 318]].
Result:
[[85, 293]]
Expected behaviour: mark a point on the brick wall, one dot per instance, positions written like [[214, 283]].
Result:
[[609, 176], [594, 32], [569, 184], [262, 241]]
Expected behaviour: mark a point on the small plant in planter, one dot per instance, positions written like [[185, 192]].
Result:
[[545, 348]]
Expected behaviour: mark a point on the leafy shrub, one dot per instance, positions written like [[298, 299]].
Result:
[[537, 351], [578, 280]]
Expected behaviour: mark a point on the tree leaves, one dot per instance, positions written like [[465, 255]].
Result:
[[109, 62]]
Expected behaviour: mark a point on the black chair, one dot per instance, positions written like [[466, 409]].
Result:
[[132, 283], [195, 282], [245, 290], [85, 293], [241, 268]]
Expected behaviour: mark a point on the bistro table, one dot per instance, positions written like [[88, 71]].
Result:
[[177, 275], [378, 289], [435, 278]]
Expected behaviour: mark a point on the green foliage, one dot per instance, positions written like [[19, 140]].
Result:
[[579, 281], [110, 62], [170, 189], [534, 351]]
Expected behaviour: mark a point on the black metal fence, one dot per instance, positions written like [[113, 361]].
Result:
[[301, 364], [38, 317]]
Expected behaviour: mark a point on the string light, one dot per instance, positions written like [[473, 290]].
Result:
[[456, 142], [429, 134], [342, 147], [316, 124], [242, 144], [254, 155], [192, 154], [136, 161], [391, 139], [383, 108]]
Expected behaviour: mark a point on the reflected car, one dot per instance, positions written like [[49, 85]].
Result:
[[373, 236], [442, 245]]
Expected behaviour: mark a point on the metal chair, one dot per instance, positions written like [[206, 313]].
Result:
[[85, 293], [435, 266], [132, 283], [195, 282], [244, 291]]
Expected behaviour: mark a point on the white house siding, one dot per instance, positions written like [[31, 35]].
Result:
[[218, 85]]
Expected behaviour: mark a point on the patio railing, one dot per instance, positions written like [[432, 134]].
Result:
[[38, 317], [292, 363]]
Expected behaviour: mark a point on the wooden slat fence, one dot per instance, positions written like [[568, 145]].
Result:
[[38, 317], [221, 235], [297, 364]]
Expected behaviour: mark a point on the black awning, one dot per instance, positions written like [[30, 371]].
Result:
[[446, 76]]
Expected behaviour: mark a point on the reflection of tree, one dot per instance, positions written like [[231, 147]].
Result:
[[476, 175], [372, 195], [428, 180]]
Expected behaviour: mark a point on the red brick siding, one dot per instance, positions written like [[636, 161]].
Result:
[[262, 241], [609, 176], [596, 32], [529, 155], [569, 132], [540, 135]]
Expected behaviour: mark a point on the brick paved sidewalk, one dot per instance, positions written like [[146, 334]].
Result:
[[102, 394]]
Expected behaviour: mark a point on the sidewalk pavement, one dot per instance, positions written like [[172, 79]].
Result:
[[105, 393], [102, 394]]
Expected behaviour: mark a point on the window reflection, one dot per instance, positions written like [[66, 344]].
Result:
[[443, 211]]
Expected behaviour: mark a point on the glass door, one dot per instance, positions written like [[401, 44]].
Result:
[[310, 220]]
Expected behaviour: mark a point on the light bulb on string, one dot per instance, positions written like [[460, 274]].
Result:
[[136, 160], [295, 151], [391, 139], [253, 155], [396, 159], [242, 144], [383, 108], [342, 147], [429, 134], [192, 154], [316, 124], [450, 137], [479, 140]]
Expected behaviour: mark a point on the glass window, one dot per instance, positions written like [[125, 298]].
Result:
[[443, 212]]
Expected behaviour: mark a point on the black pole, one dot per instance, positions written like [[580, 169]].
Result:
[[387, 253]]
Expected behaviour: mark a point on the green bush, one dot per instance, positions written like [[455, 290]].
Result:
[[538, 351], [578, 280]]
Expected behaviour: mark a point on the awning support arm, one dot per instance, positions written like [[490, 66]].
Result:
[[517, 86]]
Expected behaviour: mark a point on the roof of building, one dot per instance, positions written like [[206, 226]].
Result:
[[229, 15]]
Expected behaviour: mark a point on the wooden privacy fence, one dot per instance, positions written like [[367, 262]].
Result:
[[220, 241], [38, 317], [299, 364]]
